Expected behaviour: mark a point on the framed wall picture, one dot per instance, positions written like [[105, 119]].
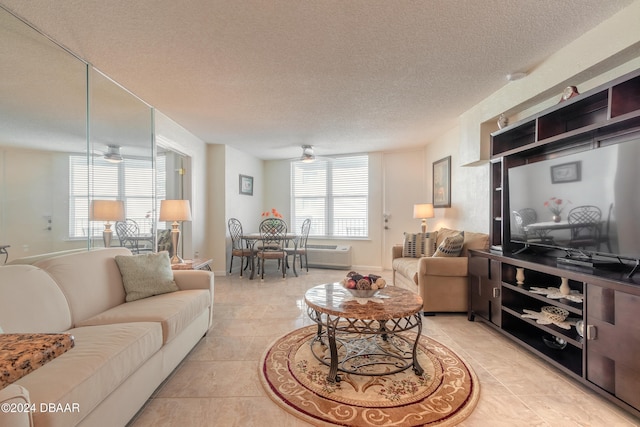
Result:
[[566, 172], [246, 185], [442, 183]]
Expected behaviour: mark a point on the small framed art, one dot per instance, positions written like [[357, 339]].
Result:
[[246, 185], [566, 172], [442, 183]]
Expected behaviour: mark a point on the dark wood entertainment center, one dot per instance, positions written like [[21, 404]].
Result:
[[607, 358]]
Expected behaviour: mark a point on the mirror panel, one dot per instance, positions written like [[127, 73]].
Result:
[[122, 162], [42, 120], [58, 116]]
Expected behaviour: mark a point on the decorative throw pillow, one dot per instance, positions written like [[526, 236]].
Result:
[[430, 243], [417, 245], [451, 246], [146, 275]]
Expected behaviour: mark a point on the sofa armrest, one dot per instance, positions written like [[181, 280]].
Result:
[[443, 266], [396, 251], [18, 395], [194, 279]]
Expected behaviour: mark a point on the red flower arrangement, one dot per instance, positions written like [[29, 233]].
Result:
[[273, 212], [555, 205]]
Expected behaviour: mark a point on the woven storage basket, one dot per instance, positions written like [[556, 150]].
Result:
[[555, 314]]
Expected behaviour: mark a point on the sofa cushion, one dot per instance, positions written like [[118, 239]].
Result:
[[146, 275], [102, 359], [175, 311], [408, 267], [89, 280], [31, 301], [451, 246], [413, 245], [416, 245], [474, 241]]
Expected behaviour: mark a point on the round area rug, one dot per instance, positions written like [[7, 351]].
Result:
[[293, 377]]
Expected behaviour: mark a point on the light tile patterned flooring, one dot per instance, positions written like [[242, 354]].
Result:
[[217, 384]]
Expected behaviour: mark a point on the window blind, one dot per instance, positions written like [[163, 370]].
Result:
[[334, 193], [130, 181]]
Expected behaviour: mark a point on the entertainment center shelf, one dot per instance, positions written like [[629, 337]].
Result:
[[598, 341], [604, 358]]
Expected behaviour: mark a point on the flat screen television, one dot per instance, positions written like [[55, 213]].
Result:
[[596, 196]]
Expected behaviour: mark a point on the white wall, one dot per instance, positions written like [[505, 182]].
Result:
[[224, 201]]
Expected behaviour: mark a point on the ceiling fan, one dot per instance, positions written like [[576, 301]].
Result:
[[308, 155]]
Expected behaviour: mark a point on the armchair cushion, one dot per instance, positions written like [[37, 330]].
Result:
[[419, 244], [451, 246]]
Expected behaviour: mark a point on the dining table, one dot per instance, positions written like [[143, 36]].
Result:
[[252, 238]]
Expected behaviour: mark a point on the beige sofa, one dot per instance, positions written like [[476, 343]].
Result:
[[440, 281], [123, 350]]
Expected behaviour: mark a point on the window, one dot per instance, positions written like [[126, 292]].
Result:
[[129, 180], [334, 193]]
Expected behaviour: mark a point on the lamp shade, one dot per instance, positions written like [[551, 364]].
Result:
[[107, 210], [175, 210], [422, 211]]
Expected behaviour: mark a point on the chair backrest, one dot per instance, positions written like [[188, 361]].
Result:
[[235, 231], [164, 241], [126, 229], [589, 217], [304, 233], [273, 231], [529, 216]]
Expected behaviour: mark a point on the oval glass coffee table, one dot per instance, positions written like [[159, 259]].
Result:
[[365, 336]]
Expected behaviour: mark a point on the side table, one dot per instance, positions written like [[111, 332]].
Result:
[[193, 264], [24, 353]]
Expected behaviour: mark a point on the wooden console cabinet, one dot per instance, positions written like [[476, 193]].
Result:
[[605, 358]]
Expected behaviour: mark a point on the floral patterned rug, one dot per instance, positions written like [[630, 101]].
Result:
[[444, 395]]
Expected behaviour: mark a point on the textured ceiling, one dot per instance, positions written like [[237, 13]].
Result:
[[267, 76]]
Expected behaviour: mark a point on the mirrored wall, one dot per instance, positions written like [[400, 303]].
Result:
[[68, 135]]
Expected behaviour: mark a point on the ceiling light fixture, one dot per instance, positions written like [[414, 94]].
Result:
[[113, 154], [307, 154]]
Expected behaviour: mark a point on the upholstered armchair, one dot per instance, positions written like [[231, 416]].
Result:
[[441, 281]]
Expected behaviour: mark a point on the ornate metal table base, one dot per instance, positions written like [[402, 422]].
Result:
[[365, 347]]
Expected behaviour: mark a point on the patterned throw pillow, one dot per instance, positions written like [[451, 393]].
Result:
[[417, 245], [451, 246], [146, 275]]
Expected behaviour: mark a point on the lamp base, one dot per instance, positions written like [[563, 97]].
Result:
[[424, 226], [175, 239], [106, 235]]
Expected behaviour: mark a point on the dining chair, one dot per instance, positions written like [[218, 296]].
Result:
[[273, 233], [300, 246], [239, 247], [604, 236], [586, 226], [164, 241], [129, 236]]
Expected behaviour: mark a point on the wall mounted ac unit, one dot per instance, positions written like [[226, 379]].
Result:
[[329, 256]]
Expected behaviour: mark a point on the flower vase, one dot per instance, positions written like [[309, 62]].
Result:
[[519, 276], [564, 286], [556, 218]]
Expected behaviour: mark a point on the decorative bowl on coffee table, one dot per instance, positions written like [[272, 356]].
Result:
[[363, 293]]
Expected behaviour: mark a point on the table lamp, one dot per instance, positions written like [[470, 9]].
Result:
[[175, 210], [107, 210], [423, 211]]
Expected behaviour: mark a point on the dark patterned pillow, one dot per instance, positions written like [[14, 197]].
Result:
[[451, 246], [417, 245]]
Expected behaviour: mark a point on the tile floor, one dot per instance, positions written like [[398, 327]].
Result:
[[217, 384]]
